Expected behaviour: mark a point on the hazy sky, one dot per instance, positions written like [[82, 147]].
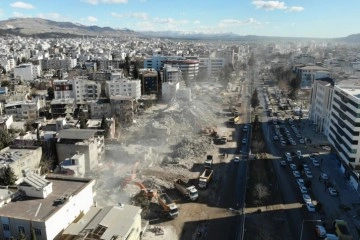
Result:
[[298, 18]]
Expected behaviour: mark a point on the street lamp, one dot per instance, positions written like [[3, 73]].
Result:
[[302, 225]]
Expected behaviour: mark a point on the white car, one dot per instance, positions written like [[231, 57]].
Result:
[[283, 143], [292, 166], [308, 174], [324, 176], [312, 157], [303, 189], [316, 163], [244, 141], [301, 140], [305, 167], [307, 198], [296, 174], [310, 207], [282, 163], [298, 154], [333, 192], [236, 159], [300, 181], [288, 156]]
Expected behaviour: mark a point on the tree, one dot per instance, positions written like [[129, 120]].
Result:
[[105, 126], [5, 84], [260, 192], [294, 86], [9, 177], [50, 91], [5, 139], [18, 62], [136, 70], [127, 65], [82, 123], [255, 99], [23, 60]]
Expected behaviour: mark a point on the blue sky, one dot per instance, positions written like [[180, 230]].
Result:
[[288, 18]]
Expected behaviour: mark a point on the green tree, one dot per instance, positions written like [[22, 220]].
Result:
[[5, 84], [8, 178], [105, 126], [23, 60], [254, 99], [294, 86], [50, 91], [5, 139], [82, 122]]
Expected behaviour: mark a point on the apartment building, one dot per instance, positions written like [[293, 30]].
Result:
[[7, 63], [124, 87], [171, 74], [80, 141], [188, 67], [123, 107], [62, 107], [309, 73], [27, 71], [64, 63], [99, 108], [98, 224], [80, 89], [20, 159], [23, 110], [211, 67], [44, 206], [157, 61], [150, 83], [169, 90], [344, 132], [320, 104]]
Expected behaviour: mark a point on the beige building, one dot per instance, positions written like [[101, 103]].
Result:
[[77, 141], [99, 223]]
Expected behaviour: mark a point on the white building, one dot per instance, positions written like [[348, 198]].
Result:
[[80, 89], [27, 71], [320, 104], [64, 63], [23, 110], [211, 67], [47, 205], [124, 87], [344, 133], [100, 108], [100, 222], [171, 74], [169, 90], [157, 61]]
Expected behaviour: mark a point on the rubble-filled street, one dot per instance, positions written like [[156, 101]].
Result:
[[168, 142]]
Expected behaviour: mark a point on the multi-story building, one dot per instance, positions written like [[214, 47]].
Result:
[[211, 67], [344, 132], [20, 159], [98, 224], [124, 87], [80, 89], [171, 74], [44, 206], [56, 63], [320, 104], [100, 108], [188, 67], [74, 141], [62, 107], [27, 71], [123, 108], [157, 61], [23, 110], [150, 83], [169, 90]]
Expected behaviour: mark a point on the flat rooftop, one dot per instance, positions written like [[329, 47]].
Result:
[[9, 155], [38, 209], [74, 133], [350, 86]]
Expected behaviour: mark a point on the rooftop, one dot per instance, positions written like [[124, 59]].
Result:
[[75, 133], [38, 209], [9, 155], [63, 101]]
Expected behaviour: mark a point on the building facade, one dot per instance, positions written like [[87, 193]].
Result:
[[124, 87]]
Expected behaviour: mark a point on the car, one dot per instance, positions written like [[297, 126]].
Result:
[[244, 141], [300, 181], [236, 159], [298, 135], [301, 140], [316, 163], [312, 157], [283, 143], [298, 154], [320, 231], [282, 163], [296, 174], [303, 189], [276, 138], [293, 143], [324, 176], [333, 192], [245, 128], [330, 236], [292, 166], [288, 156], [305, 167], [307, 198], [327, 148], [308, 174], [310, 207]]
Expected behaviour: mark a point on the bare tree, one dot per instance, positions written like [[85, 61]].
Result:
[[261, 192]]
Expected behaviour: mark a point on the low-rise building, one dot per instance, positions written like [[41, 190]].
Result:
[[23, 110], [100, 108], [62, 107], [27, 71]]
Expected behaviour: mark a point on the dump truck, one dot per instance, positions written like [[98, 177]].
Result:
[[205, 178], [342, 230], [186, 190], [168, 205], [209, 161]]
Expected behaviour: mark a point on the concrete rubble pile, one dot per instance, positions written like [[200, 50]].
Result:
[[190, 147]]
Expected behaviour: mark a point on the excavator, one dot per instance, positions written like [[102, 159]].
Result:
[[130, 176], [150, 193]]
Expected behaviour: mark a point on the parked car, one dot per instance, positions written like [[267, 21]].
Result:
[[303, 189], [320, 231], [236, 159], [333, 192], [307, 198], [312, 157], [308, 174], [310, 207], [276, 138], [282, 163], [316, 163], [301, 140], [244, 141], [292, 166], [288, 156], [300, 181], [324, 176], [296, 174], [298, 154]]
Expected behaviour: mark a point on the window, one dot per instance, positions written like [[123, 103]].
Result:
[[21, 230], [37, 232], [6, 227]]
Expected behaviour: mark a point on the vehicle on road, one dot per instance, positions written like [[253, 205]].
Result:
[[236, 159], [208, 161], [168, 205], [310, 207], [296, 174], [283, 143], [324, 176], [292, 166], [205, 178], [288, 156], [300, 181], [308, 174], [298, 154], [330, 236], [282, 163], [303, 189], [244, 141], [320, 231], [333, 192], [307, 198], [316, 163], [276, 138], [312, 157], [245, 128], [301, 140], [187, 190]]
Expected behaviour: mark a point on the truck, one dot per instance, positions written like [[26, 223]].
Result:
[[205, 178], [208, 161], [168, 205], [186, 190], [342, 230]]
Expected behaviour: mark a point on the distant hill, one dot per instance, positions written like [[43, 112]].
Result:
[[354, 38], [47, 28]]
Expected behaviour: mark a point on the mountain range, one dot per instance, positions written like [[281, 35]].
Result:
[[47, 28]]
